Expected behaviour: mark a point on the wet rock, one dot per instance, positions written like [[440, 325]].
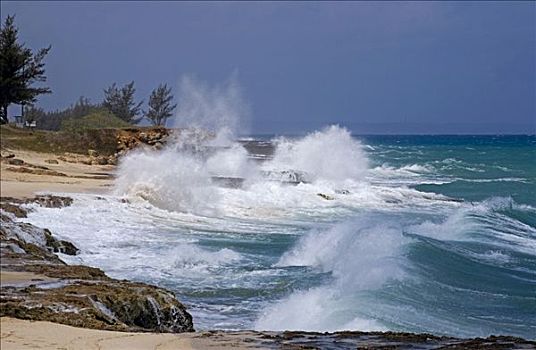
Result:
[[13, 205], [325, 196], [50, 201], [145, 306], [30, 240], [59, 246], [68, 272], [29, 170], [80, 296], [13, 209], [102, 160], [110, 305], [7, 155], [36, 166], [15, 161]]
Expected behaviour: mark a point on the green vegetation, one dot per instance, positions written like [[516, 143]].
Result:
[[95, 120], [120, 101], [160, 107], [20, 68], [102, 140], [53, 120]]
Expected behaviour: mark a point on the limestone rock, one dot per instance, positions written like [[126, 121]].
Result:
[[81, 296], [7, 155], [15, 161]]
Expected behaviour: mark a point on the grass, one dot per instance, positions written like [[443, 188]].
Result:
[[102, 140], [97, 120]]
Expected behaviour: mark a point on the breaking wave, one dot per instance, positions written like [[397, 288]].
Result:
[[187, 176]]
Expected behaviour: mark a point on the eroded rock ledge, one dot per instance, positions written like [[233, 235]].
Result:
[[74, 295]]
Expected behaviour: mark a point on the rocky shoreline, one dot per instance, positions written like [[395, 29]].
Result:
[[79, 296], [41, 287]]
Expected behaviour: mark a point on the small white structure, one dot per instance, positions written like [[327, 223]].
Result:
[[30, 125]]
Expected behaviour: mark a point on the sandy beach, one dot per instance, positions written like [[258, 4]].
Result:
[[22, 334], [77, 177]]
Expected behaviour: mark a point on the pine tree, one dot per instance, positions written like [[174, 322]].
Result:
[[120, 102], [20, 68], [160, 107]]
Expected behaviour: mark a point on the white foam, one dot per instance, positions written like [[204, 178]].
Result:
[[483, 221], [495, 256], [361, 255], [330, 154], [170, 180], [231, 162], [190, 257]]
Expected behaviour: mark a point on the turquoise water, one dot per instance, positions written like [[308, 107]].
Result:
[[420, 233]]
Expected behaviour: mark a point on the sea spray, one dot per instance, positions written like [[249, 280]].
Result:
[[458, 260], [232, 162], [178, 178], [182, 177], [217, 108], [330, 154], [168, 180], [360, 255]]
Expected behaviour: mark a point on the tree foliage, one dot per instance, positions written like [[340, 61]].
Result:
[[33, 113], [54, 119], [160, 106], [20, 68], [120, 102]]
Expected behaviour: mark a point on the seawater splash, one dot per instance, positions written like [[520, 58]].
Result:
[[182, 176], [178, 178], [218, 108], [360, 255], [384, 252], [168, 180], [330, 154]]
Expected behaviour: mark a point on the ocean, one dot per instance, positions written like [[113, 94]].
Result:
[[324, 232]]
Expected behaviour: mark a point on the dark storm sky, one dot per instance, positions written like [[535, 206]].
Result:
[[375, 67]]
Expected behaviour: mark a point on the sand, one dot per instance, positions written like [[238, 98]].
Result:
[[80, 178], [16, 278], [22, 334]]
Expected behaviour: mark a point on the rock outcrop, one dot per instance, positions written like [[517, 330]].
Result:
[[74, 295], [128, 139]]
